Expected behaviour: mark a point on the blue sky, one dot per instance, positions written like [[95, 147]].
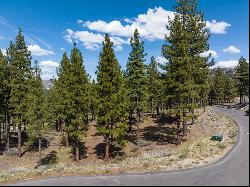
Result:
[[50, 27]]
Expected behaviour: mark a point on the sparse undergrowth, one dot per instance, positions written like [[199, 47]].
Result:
[[197, 150]]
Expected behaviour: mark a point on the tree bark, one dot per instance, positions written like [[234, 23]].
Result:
[[178, 131], [152, 108], [7, 132], [40, 152], [106, 158], [77, 151], [19, 141], [138, 128], [184, 124], [67, 139]]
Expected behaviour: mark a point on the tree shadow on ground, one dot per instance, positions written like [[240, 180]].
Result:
[[49, 159], [82, 150], [162, 133], [114, 151], [2, 148]]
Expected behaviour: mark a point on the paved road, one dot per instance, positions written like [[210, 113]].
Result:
[[233, 169]]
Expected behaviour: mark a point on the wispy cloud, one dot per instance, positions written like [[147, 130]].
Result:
[[42, 42], [31, 39], [7, 24], [36, 50]]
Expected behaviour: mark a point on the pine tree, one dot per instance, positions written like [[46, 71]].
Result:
[[93, 99], [20, 60], [5, 95], [36, 114], [230, 91], [61, 96], [219, 85], [242, 77], [136, 81], [153, 85], [187, 72], [79, 99], [112, 108]]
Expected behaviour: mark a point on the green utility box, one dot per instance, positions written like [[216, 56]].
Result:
[[217, 137]]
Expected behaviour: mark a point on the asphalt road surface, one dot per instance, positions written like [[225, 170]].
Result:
[[232, 169]]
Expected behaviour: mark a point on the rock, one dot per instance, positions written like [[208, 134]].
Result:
[[19, 170]]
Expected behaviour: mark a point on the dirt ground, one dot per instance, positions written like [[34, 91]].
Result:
[[158, 150]]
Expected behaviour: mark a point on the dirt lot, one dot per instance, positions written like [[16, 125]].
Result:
[[158, 151]]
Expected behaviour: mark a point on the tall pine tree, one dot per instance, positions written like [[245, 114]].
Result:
[[79, 99], [112, 108], [153, 85], [36, 114], [20, 60], [187, 72], [136, 81], [242, 77], [5, 89]]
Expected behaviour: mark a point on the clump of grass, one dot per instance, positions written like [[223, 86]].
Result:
[[145, 165], [221, 146], [118, 159], [184, 152]]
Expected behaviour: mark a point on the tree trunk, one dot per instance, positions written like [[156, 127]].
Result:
[[130, 122], [178, 131], [92, 116], [184, 124], [158, 109], [67, 139], [192, 117], [152, 108], [77, 151], [19, 141], [7, 131], [138, 129], [40, 152], [106, 158]]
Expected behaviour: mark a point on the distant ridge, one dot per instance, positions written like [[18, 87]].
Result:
[[47, 84]]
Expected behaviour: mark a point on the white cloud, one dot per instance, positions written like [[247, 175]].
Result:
[[226, 64], [217, 27], [161, 60], [62, 49], [48, 63], [48, 69], [151, 25], [46, 76], [118, 48], [91, 40], [127, 20], [79, 21], [3, 51], [38, 51], [207, 53], [231, 49]]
